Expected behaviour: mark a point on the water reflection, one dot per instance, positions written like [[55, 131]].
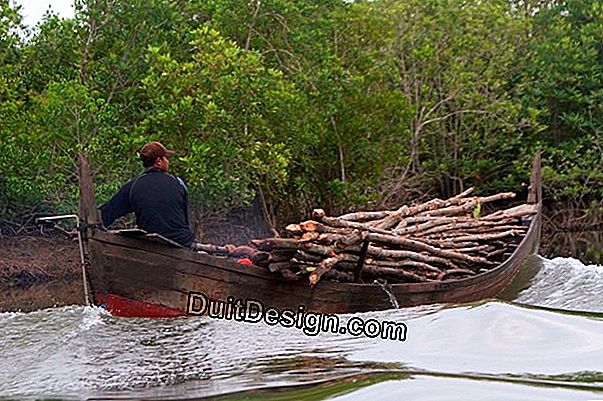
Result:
[[416, 386]]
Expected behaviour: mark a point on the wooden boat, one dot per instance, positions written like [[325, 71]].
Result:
[[146, 275]]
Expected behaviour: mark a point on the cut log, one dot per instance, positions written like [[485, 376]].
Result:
[[318, 214], [403, 263], [331, 262], [494, 198], [305, 262], [497, 252], [347, 277], [278, 266], [305, 256], [351, 238], [294, 229], [281, 256], [428, 218], [419, 227], [269, 244], [452, 210], [324, 267], [212, 249], [314, 226], [396, 273], [336, 222], [309, 236], [433, 240], [365, 216], [444, 243], [479, 230], [481, 224], [462, 195], [326, 251], [350, 264], [392, 219], [487, 236], [514, 212], [405, 222], [381, 253], [474, 249], [419, 246]]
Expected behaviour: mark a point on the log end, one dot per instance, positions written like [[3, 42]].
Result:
[[309, 226], [318, 213], [294, 229], [309, 236]]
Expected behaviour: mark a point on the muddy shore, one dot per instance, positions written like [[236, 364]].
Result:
[[39, 272]]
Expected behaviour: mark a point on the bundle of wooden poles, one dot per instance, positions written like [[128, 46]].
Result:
[[434, 240]]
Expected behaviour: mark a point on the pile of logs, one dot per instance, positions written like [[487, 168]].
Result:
[[434, 240]]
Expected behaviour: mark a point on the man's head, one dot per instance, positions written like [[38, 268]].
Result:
[[155, 154]]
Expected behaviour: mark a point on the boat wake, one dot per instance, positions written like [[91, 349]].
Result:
[[565, 283], [486, 349]]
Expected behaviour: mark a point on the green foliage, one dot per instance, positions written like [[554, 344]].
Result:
[[566, 85], [323, 102], [220, 106]]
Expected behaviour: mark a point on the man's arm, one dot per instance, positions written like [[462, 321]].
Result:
[[118, 206]]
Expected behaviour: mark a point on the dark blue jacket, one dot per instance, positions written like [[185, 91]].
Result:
[[159, 201]]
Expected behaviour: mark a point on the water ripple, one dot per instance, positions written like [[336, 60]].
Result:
[[81, 352]]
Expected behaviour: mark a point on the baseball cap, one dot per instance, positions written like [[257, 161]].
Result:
[[154, 150]]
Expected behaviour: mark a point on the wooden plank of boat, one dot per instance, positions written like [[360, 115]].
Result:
[[133, 276]]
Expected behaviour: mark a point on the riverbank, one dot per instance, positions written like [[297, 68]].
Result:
[[39, 272]]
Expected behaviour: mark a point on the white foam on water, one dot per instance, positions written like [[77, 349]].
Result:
[[92, 316], [566, 283]]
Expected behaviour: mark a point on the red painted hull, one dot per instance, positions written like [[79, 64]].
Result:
[[125, 307]]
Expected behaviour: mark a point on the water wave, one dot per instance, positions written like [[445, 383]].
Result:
[[566, 283], [486, 347]]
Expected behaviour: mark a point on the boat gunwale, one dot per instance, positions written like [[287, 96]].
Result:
[[235, 268]]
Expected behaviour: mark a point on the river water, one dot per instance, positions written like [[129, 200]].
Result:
[[543, 341]]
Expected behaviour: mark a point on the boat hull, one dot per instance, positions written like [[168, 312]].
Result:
[[128, 273]]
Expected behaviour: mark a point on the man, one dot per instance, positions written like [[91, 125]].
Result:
[[157, 198]]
